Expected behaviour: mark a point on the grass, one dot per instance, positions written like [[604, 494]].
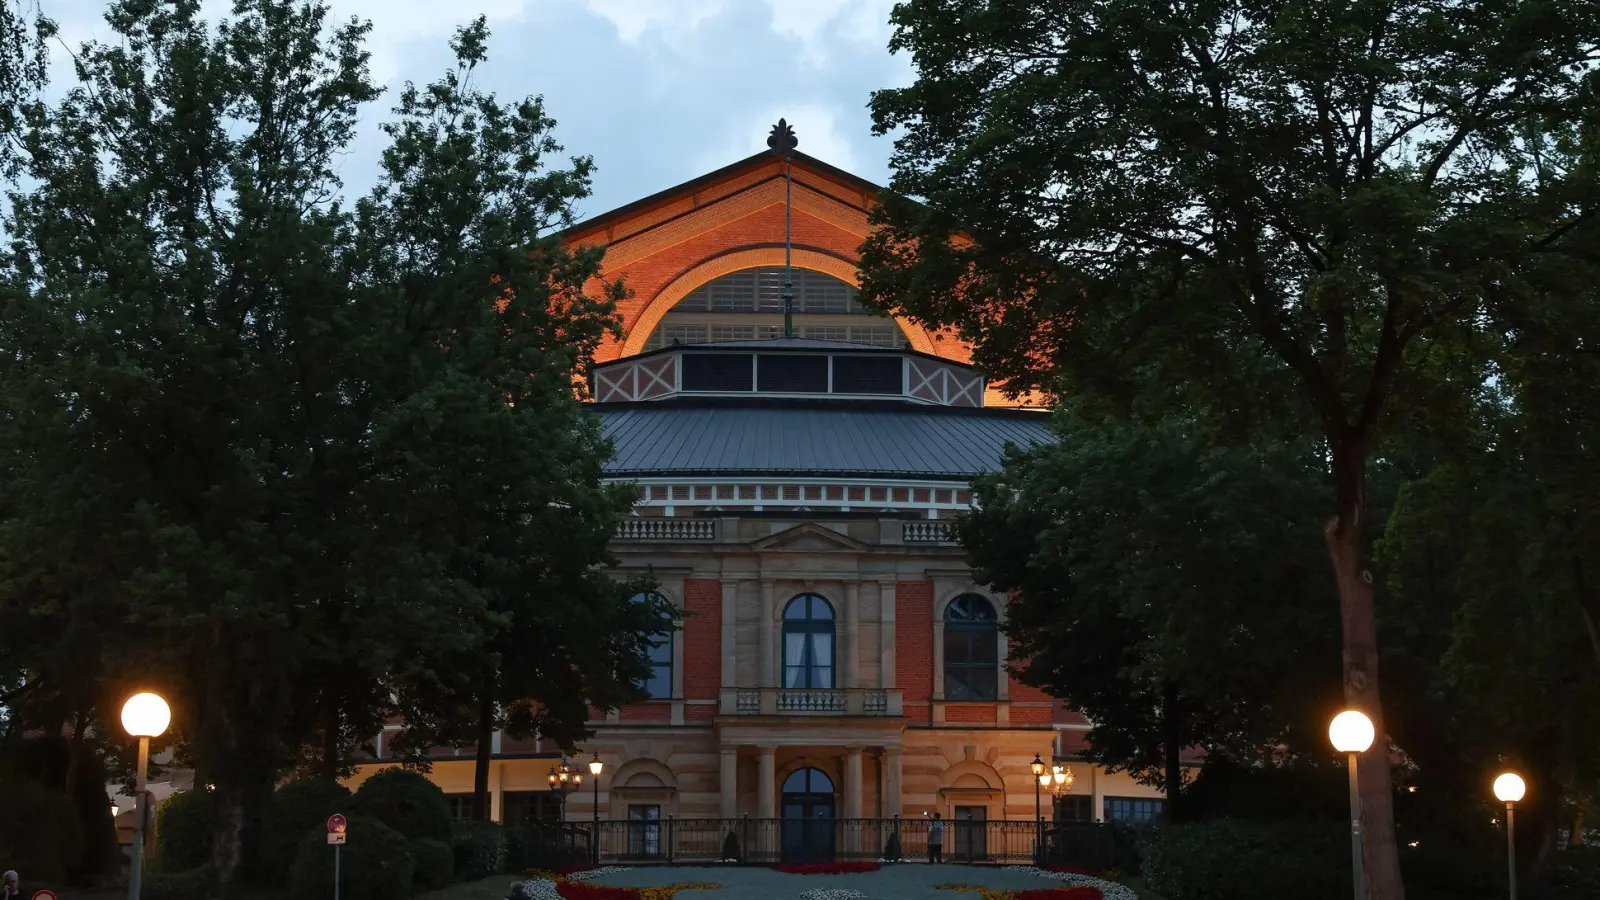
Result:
[[495, 887]]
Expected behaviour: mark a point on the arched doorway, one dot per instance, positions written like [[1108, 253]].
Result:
[[808, 816]]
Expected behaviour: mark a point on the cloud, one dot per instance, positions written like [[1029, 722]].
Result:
[[817, 126]]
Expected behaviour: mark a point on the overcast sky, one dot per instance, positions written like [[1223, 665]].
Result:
[[657, 91]]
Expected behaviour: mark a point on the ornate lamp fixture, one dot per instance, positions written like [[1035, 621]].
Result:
[[565, 777]]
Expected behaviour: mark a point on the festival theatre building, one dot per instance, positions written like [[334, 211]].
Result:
[[837, 661]]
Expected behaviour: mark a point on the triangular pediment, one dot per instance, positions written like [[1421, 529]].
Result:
[[809, 538]]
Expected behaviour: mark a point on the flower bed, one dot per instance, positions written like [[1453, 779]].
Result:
[[1067, 893], [574, 885], [829, 868], [832, 894], [1109, 890]]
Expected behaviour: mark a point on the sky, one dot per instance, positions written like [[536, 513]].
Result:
[[657, 91]]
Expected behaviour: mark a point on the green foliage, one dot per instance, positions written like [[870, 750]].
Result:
[[435, 863], [185, 824], [730, 846], [296, 808], [261, 431], [195, 884], [40, 827], [481, 849], [405, 801], [1138, 556], [376, 864], [1572, 874], [1230, 860]]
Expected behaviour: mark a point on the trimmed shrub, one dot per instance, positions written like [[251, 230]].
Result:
[[195, 884], [1231, 860], [891, 848], [41, 829], [481, 850], [1572, 874], [296, 808], [407, 802], [435, 863], [184, 829], [730, 846], [375, 864]]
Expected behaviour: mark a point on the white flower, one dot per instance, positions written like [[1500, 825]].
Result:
[[592, 874], [535, 889], [833, 894], [1109, 889]]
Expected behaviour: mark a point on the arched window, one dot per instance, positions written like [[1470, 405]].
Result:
[[748, 305], [659, 685], [971, 649], [808, 781], [808, 643]]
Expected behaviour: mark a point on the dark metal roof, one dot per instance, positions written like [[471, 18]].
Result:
[[839, 440]]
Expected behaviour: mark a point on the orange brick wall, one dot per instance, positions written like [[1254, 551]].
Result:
[[970, 713], [702, 639], [645, 712], [913, 645]]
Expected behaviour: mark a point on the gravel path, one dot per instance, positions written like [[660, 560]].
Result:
[[896, 882]]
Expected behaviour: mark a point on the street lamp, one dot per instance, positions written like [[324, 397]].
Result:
[[595, 768], [564, 779], [145, 716], [1038, 813], [1352, 733], [1509, 788]]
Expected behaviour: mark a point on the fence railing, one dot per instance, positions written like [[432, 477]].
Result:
[[752, 841], [662, 529]]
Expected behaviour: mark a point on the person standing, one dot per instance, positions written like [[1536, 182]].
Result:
[[936, 839]]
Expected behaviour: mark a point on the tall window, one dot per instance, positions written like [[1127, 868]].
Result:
[[644, 831], [659, 684], [971, 649], [1130, 809], [808, 643]]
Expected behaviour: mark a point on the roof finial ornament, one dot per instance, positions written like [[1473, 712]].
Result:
[[782, 138], [782, 141]]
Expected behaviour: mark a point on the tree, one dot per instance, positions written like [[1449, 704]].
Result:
[[280, 450], [1337, 186], [1139, 556]]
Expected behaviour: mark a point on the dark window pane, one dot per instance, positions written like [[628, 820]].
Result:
[[957, 647], [716, 372], [868, 375], [794, 374]]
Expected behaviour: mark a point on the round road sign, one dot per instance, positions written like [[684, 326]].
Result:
[[45, 895], [336, 824]]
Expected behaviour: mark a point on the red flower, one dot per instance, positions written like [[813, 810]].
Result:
[[575, 890], [829, 868], [570, 870], [1071, 893]]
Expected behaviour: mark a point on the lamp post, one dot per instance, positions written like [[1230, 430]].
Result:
[[595, 768], [1038, 814], [1508, 789], [145, 716], [1352, 733]]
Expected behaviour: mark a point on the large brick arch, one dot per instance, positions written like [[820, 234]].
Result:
[[727, 263]]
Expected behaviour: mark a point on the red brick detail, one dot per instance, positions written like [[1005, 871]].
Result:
[[699, 713], [969, 713], [646, 712], [917, 712], [702, 639], [1030, 715], [913, 641], [1062, 714], [1023, 693]]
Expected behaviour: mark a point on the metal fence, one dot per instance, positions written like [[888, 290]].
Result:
[[751, 841]]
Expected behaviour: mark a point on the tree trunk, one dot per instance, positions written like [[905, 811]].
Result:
[[1172, 727], [75, 755], [1581, 807], [1345, 534], [331, 757], [480, 771]]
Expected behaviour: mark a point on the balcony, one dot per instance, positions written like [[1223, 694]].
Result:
[[796, 702], [927, 533], [663, 529]]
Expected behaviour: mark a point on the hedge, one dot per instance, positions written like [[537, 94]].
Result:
[[375, 864], [1227, 859], [296, 808], [195, 884], [185, 825], [435, 863], [40, 829], [407, 802], [481, 850]]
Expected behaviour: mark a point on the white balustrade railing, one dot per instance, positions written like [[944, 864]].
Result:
[[927, 533], [664, 529]]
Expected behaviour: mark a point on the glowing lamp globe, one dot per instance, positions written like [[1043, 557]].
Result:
[[1509, 788], [146, 715], [1037, 765], [596, 766], [1351, 732]]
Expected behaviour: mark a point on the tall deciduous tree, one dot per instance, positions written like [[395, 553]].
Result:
[[1330, 184], [278, 451], [1163, 586]]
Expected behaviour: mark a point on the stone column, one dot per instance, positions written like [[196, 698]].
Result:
[[886, 634], [728, 785], [852, 651], [852, 783], [892, 789], [766, 784], [730, 614], [766, 630]]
